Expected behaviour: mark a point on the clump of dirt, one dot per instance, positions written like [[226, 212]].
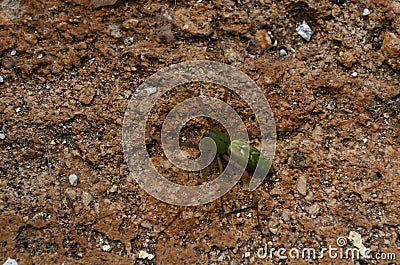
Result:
[[68, 71]]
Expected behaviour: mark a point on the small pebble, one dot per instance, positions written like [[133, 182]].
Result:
[[115, 31], [151, 90], [100, 3], [273, 230], [13, 52], [302, 185], [347, 58], [282, 52], [247, 254], [129, 41], [167, 17], [106, 248], [10, 262], [305, 31], [262, 39], [354, 74], [1, 79], [146, 224], [87, 95], [86, 198], [2, 136], [114, 188], [145, 255], [71, 193], [29, 153], [130, 24], [73, 180], [366, 12]]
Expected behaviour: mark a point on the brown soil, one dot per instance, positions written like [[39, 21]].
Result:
[[69, 71]]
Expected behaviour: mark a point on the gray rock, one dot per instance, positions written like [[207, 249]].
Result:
[[305, 31], [100, 3], [10, 262], [73, 180], [86, 198], [302, 185]]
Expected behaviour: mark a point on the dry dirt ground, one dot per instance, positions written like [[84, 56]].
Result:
[[67, 73]]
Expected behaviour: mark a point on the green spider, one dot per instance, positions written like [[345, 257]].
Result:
[[239, 151]]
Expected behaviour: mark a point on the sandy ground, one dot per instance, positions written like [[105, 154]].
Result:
[[67, 73]]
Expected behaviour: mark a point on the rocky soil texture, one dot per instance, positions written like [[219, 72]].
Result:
[[68, 69]]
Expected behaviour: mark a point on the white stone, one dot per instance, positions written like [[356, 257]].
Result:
[[106, 248], [354, 74], [73, 180], [2, 136], [10, 262], [366, 12], [151, 90], [145, 255], [13, 52], [305, 31], [273, 230]]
